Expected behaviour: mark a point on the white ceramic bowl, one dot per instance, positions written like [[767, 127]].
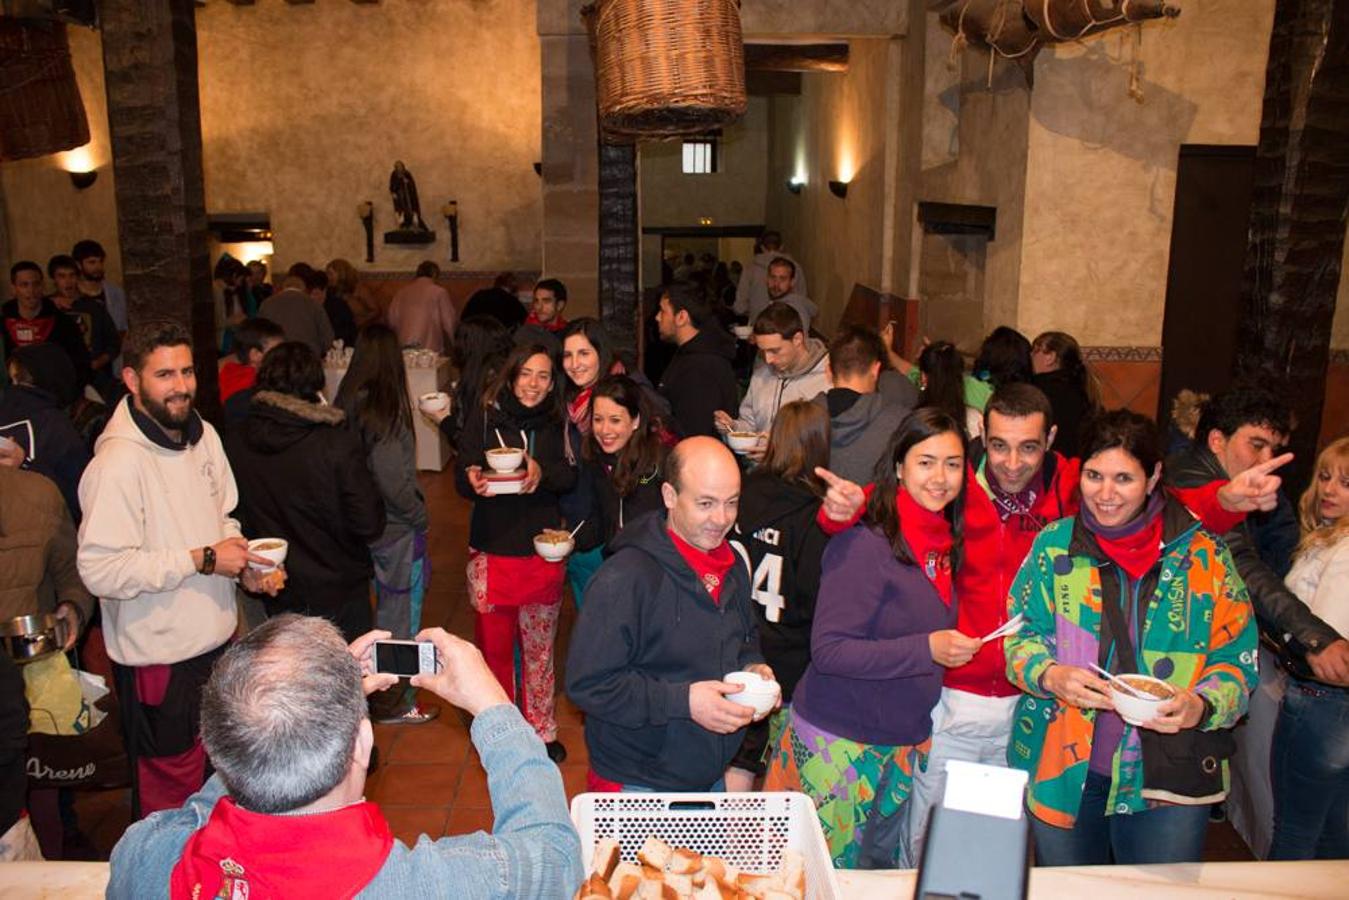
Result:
[[1132, 709], [434, 402], [553, 552], [505, 459], [268, 547], [507, 483], [759, 693], [743, 332], [743, 441]]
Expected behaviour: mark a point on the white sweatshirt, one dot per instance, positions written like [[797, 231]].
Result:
[[146, 508], [1320, 578]]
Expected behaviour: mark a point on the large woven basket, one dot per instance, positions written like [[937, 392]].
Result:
[[666, 68]]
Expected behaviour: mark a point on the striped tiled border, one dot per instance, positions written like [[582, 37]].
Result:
[[1122, 354]]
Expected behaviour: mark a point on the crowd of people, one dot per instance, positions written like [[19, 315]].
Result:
[[931, 561]]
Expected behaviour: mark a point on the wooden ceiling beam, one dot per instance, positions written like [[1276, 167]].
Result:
[[832, 57]]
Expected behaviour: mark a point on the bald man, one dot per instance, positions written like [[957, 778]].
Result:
[[666, 617]]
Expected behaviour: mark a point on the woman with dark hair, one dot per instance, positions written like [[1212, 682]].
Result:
[[1134, 584], [303, 477], [1066, 381], [481, 343], [783, 548], [946, 387], [884, 629], [626, 454], [1004, 358], [375, 399], [515, 592]]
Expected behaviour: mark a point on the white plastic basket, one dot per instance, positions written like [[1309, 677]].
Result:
[[749, 831]]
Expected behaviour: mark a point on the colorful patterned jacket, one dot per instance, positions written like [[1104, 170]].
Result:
[[1198, 632]]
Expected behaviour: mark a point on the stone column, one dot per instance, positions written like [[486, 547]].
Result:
[[619, 242], [150, 63], [1298, 206]]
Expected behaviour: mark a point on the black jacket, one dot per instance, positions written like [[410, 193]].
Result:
[[302, 476], [777, 529], [615, 512], [1284, 618], [648, 630], [57, 449], [1071, 407], [699, 381], [507, 524]]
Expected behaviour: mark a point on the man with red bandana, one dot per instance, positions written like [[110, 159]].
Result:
[[665, 618]]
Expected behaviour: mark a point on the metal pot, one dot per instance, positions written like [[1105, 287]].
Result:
[[27, 638]]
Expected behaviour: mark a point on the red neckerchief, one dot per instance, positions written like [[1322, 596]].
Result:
[[928, 535], [554, 326], [578, 410], [242, 854], [1135, 547], [710, 567]]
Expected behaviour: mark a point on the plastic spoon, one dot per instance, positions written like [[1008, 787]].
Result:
[[500, 440], [1121, 684], [576, 529]]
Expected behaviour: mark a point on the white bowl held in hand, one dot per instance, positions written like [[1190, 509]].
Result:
[[743, 332], [434, 403], [505, 459], [1135, 710], [759, 693], [552, 547], [743, 441], [274, 549]]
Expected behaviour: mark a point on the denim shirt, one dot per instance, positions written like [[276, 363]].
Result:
[[532, 852]]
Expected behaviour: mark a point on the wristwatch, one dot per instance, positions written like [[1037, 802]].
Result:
[[207, 560]]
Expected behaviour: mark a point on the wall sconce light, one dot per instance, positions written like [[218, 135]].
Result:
[[82, 180], [366, 211], [839, 189], [795, 183], [704, 220], [451, 213], [80, 166]]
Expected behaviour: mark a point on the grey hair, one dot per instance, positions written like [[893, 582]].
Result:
[[280, 713]]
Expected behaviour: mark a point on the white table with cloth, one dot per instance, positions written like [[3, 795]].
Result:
[[1202, 881], [433, 451]]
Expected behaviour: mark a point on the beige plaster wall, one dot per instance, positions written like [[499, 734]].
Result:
[[44, 213], [1101, 172], [733, 195], [835, 130], [305, 108]]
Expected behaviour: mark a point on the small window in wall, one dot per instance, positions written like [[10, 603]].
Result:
[[700, 156]]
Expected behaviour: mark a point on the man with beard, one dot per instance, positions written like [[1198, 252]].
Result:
[[101, 336], [90, 257], [159, 547], [665, 617]]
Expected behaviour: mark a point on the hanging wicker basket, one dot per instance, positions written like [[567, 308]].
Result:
[[666, 68], [40, 107]]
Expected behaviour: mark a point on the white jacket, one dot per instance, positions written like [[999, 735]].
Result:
[[768, 391], [751, 294], [1320, 578], [146, 508]]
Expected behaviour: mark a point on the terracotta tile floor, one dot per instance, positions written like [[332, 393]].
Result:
[[429, 780]]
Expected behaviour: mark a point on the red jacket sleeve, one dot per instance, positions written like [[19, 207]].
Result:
[[831, 528], [1203, 502]]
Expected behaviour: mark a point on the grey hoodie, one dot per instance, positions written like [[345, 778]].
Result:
[[860, 433], [768, 391]]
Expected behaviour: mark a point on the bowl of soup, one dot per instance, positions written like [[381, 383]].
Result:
[[553, 544], [273, 549], [743, 441], [1137, 710], [434, 403], [743, 332], [505, 459], [757, 692]]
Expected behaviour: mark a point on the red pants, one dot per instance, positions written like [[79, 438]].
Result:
[[533, 626]]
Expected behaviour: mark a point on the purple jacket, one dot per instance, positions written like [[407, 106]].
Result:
[[871, 678]]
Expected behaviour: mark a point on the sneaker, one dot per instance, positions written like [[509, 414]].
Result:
[[556, 752], [413, 715]]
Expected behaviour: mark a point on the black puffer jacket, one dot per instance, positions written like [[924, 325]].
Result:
[[506, 524], [699, 381], [302, 475], [1283, 617]]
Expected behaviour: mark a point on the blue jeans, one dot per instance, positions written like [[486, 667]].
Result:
[[1164, 834], [1309, 771]]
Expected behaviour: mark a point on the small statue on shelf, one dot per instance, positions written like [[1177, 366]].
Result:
[[407, 209]]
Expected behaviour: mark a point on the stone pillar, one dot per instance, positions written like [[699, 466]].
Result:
[[1298, 207], [150, 64]]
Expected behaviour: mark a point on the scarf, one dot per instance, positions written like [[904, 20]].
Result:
[[928, 535], [710, 567], [238, 853], [1008, 504], [1136, 545], [555, 326], [578, 410]]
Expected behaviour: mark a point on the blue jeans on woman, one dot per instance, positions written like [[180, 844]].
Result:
[[1309, 772], [1163, 834]]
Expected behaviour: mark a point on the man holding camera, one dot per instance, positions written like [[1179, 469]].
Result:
[[284, 719]]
